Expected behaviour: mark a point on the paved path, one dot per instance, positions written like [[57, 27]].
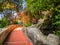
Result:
[[17, 37]]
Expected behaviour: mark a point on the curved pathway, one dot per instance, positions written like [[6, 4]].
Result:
[[17, 37]]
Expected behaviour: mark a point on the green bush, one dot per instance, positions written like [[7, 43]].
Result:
[[56, 24], [29, 24], [56, 19], [57, 32], [4, 22]]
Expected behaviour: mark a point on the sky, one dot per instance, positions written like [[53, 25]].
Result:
[[24, 4]]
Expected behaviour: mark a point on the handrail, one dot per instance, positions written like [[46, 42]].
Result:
[[5, 32]]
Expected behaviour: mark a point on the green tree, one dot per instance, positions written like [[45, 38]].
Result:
[[38, 6]]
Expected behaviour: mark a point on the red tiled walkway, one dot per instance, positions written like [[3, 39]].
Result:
[[17, 37]]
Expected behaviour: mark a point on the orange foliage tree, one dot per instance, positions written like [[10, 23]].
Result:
[[25, 18]]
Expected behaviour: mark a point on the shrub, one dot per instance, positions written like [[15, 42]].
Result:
[[4, 22]]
